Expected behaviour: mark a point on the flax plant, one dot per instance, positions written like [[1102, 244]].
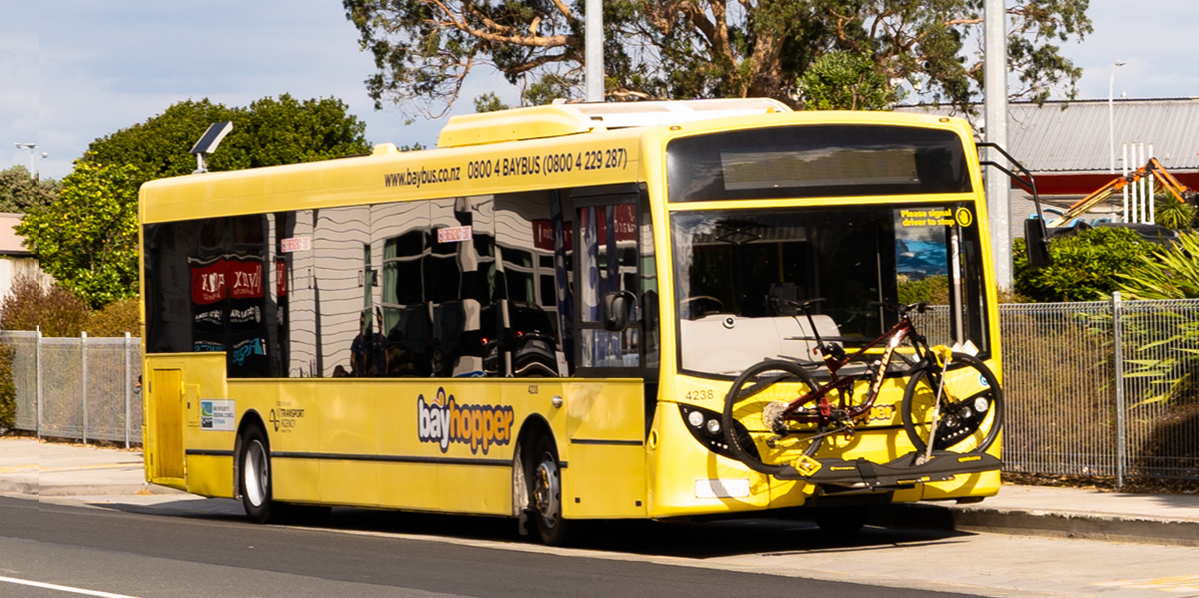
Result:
[[1166, 341]]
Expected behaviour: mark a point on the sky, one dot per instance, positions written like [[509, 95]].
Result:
[[72, 71]]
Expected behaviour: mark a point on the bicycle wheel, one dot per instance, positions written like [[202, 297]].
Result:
[[756, 399], [971, 406]]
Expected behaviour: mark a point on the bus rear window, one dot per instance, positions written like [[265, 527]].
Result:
[[816, 161]]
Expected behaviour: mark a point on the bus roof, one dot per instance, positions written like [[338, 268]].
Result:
[[560, 119]]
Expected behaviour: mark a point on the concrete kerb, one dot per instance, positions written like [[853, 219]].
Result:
[[33, 468], [1108, 527]]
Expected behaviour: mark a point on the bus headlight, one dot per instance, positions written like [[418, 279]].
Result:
[[713, 426], [705, 425]]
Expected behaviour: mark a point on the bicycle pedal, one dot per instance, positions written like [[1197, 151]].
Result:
[[806, 465]]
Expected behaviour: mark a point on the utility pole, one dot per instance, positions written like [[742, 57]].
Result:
[[594, 50], [998, 185]]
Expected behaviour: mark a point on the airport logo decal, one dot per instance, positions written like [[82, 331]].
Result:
[[443, 421]]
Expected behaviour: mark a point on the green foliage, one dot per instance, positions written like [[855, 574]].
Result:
[[56, 312], [115, 319], [29, 306], [1166, 342], [845, 81], [19, 192], [934, 289], [8, 390], [1173, 214], [269, 132], [660, 49], [1169, 272], [489, 102], [1086, 266], [87, 240]]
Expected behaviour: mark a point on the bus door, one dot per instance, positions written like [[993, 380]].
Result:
[[166, 400], [606, 419]]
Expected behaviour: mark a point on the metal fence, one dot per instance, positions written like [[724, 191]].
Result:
[[1066, 413], [79, 388], [1106, 388]]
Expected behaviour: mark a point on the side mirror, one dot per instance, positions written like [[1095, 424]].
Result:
[[616, 308], [1036, 242]]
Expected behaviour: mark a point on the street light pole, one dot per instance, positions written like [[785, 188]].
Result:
[[1111, 127], [30, 146]]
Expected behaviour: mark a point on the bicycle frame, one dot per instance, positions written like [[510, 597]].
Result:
[[841, 384]]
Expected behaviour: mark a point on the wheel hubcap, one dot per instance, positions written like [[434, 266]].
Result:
[[255, 473], [546, 492]]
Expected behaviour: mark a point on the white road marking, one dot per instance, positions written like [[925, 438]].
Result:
[[50, 586]]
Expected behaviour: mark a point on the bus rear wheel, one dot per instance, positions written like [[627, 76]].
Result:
[[544, 478], [254, 475]]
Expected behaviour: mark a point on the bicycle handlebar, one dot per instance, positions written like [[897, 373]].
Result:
[[919, 307]]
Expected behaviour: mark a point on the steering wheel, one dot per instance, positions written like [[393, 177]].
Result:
[[691, 312]]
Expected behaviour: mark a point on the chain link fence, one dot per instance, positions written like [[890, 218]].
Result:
[[78, 388], [1066, 413]]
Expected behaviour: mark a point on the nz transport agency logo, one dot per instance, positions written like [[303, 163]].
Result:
[[443, 421]]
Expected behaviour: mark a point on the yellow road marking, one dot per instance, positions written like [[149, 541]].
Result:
[[1180, 583]]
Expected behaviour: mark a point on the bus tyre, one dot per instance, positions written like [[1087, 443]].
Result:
[[545, 489], [254, 476], [841, 520]]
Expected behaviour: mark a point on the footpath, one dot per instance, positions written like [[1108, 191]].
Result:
[[31, 468]]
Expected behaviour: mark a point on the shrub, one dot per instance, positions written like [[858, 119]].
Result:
[[115, 319], [1086, 266], [1166, 342], [934, 289], [58, 311], [8, 392]]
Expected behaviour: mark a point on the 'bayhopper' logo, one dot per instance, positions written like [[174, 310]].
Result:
[[443, 421]]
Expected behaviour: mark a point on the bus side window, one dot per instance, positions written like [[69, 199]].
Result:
[[607, 264], [532, 293]]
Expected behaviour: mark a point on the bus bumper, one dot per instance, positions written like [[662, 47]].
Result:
[[904, 472]]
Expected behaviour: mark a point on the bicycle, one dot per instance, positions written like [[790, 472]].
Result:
[[951, 397]]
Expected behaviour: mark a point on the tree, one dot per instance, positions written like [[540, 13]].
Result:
[[19, 191], [1086, 266], [659, 49], [269, 132], [87, 240], [845, 81], [489, 102]]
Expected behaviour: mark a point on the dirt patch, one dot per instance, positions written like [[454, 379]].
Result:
[[1104, 483]]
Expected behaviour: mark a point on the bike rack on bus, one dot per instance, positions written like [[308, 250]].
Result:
[[1036, 236], [903, 472]]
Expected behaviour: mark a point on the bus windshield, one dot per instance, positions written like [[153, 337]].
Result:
[[733, 269]]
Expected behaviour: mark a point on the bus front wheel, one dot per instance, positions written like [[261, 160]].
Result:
[[545, 487], [254, 476]]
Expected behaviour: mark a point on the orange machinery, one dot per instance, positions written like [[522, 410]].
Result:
[[1164, 180]]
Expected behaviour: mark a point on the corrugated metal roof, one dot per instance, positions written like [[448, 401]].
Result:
[[1073, 136]]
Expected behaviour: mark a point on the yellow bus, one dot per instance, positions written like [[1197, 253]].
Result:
[[546, 316]]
